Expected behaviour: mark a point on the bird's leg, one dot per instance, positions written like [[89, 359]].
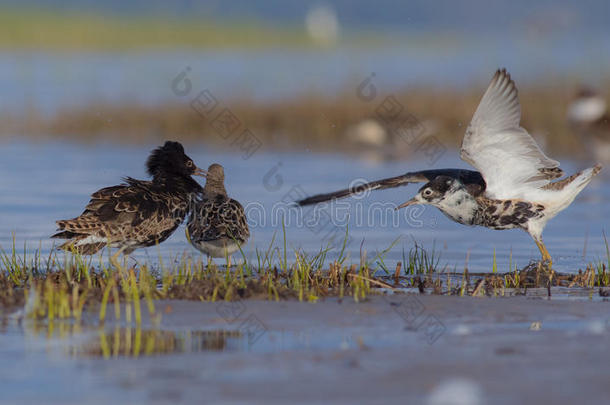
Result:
[[227, 257], [210, 261], [126, 259], [546, 257], [114, 258], [545, 253]]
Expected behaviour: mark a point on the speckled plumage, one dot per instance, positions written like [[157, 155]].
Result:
[[137, 213], [456, 201], [506, 214], [217, 225]]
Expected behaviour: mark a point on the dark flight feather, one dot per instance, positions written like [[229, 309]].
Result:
[[471, 179]]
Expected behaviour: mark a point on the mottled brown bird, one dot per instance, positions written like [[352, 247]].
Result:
[[217, 225], [137, 213]]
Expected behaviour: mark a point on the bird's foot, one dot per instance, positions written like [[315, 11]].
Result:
[[545, 268], [537, 274]]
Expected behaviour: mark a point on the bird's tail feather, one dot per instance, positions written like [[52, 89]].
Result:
[[571, 186], [575, 181], [584, 177], [64, 235]]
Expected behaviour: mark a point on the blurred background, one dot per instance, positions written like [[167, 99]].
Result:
[[290, 69], [296, 97]]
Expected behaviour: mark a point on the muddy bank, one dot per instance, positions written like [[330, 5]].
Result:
[[395, 349]]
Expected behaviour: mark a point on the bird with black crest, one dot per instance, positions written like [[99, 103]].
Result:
[[136, 213]]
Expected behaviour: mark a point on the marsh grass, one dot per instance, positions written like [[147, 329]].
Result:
[[63, 285]]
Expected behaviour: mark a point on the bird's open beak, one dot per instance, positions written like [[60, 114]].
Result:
[[200, 172], [412, 201]]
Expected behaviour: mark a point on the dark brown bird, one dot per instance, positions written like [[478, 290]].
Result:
[[137, 213], [217, 225]]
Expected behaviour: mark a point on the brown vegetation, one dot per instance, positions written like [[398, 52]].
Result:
[[313, 121]]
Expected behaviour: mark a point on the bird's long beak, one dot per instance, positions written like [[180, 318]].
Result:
[[200, 172], [412, 201]]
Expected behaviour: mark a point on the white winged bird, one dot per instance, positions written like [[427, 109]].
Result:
[[514, 185]]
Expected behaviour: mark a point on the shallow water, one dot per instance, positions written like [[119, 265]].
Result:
[[332, 350], [50, 81], [43, 182]]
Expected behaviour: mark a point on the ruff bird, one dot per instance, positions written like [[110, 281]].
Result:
[[217, 224], [516, 184], [137, 213]]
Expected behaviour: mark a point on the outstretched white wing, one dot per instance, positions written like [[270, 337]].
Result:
[[507, 156]]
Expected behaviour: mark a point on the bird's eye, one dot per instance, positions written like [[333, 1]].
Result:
[[427, 192], [189, 164]]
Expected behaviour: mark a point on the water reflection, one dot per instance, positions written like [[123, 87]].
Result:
[[77, 340], [136, 342], [81, 340]]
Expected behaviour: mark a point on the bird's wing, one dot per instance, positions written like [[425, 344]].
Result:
[[470, 178], [235, 219], [131, 204], [506, 155], [218, 218]]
